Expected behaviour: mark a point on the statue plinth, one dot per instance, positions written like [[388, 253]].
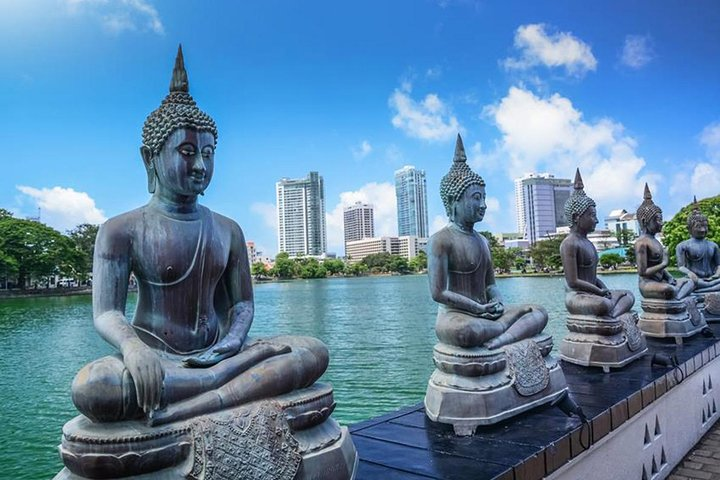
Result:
[[286, 437], [709, 305], [676, 319], [604, 342], [476, 386]]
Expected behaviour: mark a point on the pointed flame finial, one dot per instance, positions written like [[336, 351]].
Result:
[[459, 151], [647, 195], [578, 181], [179, 82]]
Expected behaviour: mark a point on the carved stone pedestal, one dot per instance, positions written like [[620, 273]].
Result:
[[676, 319], [477, 386], [603, 341], [709, 306], [286, 437]]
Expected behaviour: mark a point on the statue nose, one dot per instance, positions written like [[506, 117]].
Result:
[[198, 165]]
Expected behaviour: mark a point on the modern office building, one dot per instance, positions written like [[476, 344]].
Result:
[[358, 222], [405, 246], [411, 193], [540, 205], [301, 216]]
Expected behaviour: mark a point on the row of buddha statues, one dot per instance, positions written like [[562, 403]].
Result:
[[189, 394]]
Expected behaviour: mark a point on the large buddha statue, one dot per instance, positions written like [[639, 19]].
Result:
[[699, 259], [668, 308], [482, 341], [185, 363], [603, 330]]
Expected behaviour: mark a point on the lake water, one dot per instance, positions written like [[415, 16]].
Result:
[[380, 332]]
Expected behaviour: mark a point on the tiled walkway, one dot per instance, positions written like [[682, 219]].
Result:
[[703, 461]]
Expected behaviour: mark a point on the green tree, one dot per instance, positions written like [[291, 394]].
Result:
[[334, 266], [32, 250], [398, 264], [83, 241], [311, 268], [610, 260], [378, 262], [675, 231], [625, 236], [546, 253], [258, 269], [284, 268], [356, 269], [506, 258], [419, 262], [630, 254]]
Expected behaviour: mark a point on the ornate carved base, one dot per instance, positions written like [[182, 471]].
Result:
[[286, 437], [496, 384], [709, 306], [671, 318], [606, 351]]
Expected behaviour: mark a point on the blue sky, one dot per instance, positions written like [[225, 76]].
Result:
[[629, 91]]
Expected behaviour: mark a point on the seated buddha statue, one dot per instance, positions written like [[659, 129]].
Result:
[[669, 309], [602, 327], [185, 351], [698, 257], [586, 293], [189, 394], [461, 273], [652, 258], [492, 360]]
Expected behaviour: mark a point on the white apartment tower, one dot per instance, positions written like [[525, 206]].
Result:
[[411, 193], [358, 222], [540, 204], [301, 216]]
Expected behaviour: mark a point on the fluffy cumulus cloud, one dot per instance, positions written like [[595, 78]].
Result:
[[637, 51], [362, 150], [550, 134], [710, 139], [117, 16], [426, 119], [553, 50], [380, 195], [63, 208], [704, 177]]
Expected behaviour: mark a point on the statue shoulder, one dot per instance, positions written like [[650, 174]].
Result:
[[227, 225], [439, 241], [119, 229]]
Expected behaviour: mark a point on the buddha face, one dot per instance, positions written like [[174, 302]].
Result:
[[587, 220], [654, 225], [470, 207], [699, 229], [184, 166]]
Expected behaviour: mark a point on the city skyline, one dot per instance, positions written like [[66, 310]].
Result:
[[627, 92], [411, 197]]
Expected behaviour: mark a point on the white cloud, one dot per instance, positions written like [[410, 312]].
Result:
[[560, 49], [268, 213], [433, 73], [362, 150], [381, 196], [429, 119], [120, 15], [550, 134], [637, 51], [710, 139], [64, 208]]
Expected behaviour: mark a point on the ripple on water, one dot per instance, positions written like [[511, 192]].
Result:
[[380, 332]]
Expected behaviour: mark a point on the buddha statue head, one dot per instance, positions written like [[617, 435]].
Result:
[[697, 222], [648, 214], [178, 114], [579, 208], [458, 180]]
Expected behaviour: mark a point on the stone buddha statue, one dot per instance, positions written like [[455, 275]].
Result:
[[185, 363], [594, 310], [476, 330], [699, 259], [668, 308]]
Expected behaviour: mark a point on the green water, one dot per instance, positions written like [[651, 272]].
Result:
[[379, 331]]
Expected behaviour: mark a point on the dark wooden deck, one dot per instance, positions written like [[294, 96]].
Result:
[[406, 445]]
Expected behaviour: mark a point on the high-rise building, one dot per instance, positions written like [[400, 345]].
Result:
[[411, 193], [358, 222], [540, 204], [301, 216]]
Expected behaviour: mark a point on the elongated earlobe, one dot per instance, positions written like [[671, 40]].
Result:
[[147, 157]]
